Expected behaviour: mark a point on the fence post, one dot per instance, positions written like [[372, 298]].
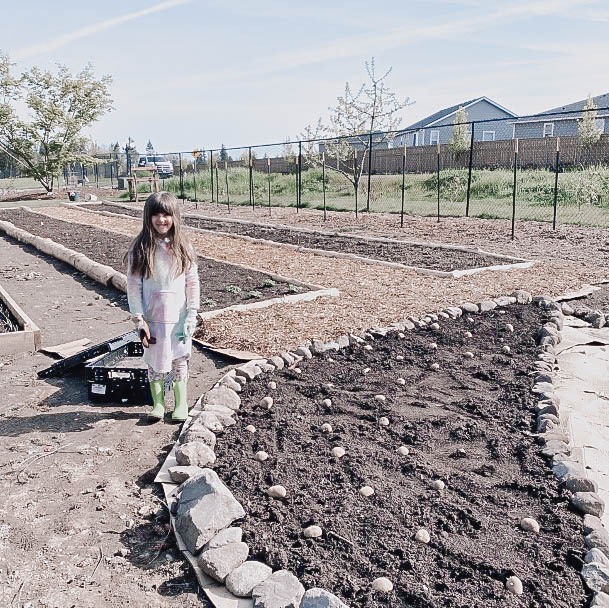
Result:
[[211, 170], [355, 180], [323, 180], [182, 194], [227, 192], [268, 172], [251, 177], [369, 170], [217, 185], [403, 187], [194, 181], [438, 177], [469, 169], [514, 187], [299, 179], [556, 182]]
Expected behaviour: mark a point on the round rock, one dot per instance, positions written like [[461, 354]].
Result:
[[327, 402], [435, 367], [272, 385], [366, 491], [277, 491], [266, 403], [529, 524], [438, 484], [422, 536], [338, 452], [326, 427], [250, 428], [261, 456], [382, 584], [403, 450], [401, 381], [514, 585], [312, 532], [384, 421]]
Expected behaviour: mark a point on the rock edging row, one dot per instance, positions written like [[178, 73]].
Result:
[[213, 413], [571, 475]]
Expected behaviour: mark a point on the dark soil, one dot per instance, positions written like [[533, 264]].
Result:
[[469, 424], [598, 300], [420, 256], [222, 284]]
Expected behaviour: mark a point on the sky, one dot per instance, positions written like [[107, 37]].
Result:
[[190, 74]]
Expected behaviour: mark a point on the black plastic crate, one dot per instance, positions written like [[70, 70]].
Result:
[[112, 378]]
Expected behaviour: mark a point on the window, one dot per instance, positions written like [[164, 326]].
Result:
[[488, 135], [434, 137], [415, 139], [548, 129]]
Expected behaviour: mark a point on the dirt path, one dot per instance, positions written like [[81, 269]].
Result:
[[81, 522]]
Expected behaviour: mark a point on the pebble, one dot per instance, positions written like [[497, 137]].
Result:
[[403, 450], [400, 381], [433, 345], [434, 326], [326, 427], [312, 532], [514, 585], [266, 402], [381, 398], [384, 421], [277, 491], [438, 485], [261, 455], [338, 452], [367, 347], [509, 327], [529, 524], [365, 370], [330, 360], [327, 402], [468, 354], [250, 428], [399, 357], [366, 491], [506, 349], [468, 334], [401, 335], [272, 385], [382, 584], [297, 370], [435, 366], [422, 536]]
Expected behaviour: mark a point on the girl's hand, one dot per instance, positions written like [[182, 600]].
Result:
[[145, 336], [189, 326]]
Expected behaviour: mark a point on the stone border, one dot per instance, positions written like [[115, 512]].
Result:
[[219, 554], [27, 339], [108, 276], [516, 262]]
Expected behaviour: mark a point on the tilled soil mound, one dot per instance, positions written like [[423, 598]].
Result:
[[468, 423], [420, 256]]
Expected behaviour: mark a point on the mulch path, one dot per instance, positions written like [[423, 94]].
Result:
[[420, 256], [222, 284], [469, 424]]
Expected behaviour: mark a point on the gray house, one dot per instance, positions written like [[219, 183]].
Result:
[[562, 121], [491, 123]]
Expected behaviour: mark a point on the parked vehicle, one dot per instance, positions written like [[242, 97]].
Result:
[[164, 168]]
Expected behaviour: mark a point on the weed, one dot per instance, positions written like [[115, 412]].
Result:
[[233, 289], [254, 293], [268, 283], [208, 302], [294, 288]]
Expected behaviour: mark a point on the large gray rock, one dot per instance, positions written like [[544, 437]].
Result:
[[588, 502], [591, 523], [221, 561], [280, 590], [195, 453], [231, 383], [598, 539], [181, 473], [205, 507], [223, 395], [596, 576], [242, 580], [600, 600], [597, 556], [234, 534], [522, 297], [320, 598], [198, 432], [469, 307]]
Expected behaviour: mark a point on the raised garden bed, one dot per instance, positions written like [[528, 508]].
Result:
[[222, 284], [18, 333], [469, 423], [444, 259]]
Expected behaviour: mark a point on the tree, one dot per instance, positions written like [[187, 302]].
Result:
[[223, 153], [588, 131], [460, 138], [149, 148], [59, 106], [358, 122]]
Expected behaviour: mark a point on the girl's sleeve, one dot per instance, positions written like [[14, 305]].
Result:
[[134, 291], [193, 289]]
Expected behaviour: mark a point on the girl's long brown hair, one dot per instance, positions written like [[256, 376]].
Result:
[[142, 249]]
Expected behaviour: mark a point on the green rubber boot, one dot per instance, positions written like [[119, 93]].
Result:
[[158, 401], [180, 409]]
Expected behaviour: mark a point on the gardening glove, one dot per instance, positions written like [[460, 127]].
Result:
[[188, 326]]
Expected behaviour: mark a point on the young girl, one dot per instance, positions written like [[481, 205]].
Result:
[[163, 295]]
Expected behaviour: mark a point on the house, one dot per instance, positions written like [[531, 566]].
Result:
[[562, 121], [492, 122], [359, 143]]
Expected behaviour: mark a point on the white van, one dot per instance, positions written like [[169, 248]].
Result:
[[164, 168]]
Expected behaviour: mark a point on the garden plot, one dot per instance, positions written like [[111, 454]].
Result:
[[437, 431], [427, 257], [222, 284]]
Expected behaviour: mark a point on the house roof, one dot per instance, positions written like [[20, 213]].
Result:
[[601, 101], [442, 114]]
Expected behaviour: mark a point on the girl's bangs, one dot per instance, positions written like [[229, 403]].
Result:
[[159, 206]]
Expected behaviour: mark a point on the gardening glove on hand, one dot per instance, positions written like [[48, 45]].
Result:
[[188, 326]]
